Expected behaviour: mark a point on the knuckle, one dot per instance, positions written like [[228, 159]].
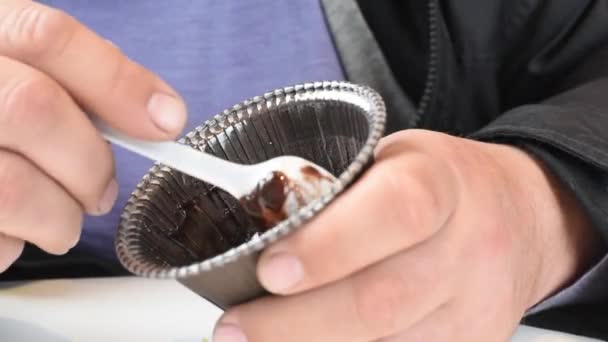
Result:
[[10, 250], [91, 195], [122, 75], [391, 175], [378, 301], [412, 191], [427, 198], [12, 187], [34, 30], [63, 236], [25, 101], [59, 247]]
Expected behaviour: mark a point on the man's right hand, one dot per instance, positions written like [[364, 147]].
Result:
[[54, 165]]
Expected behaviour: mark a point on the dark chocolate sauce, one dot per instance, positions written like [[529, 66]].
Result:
[[265, 203], [312, 174], [310, 171], [202, 237]]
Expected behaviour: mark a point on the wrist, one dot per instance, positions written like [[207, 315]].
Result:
[[560, 240]]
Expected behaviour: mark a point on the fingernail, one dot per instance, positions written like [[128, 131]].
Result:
[[281, 272], [167, 113], [109, 198], [229, 333]]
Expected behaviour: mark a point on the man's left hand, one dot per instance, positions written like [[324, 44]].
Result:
[[443, 239]]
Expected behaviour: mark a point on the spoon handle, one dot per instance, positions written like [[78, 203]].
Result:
[[231, 177]]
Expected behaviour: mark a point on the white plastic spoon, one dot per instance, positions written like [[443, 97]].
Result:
[[272, 189]]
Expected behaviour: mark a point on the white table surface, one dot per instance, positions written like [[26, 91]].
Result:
[[128, 309]]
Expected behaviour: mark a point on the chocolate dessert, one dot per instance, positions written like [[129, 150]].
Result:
[[178, 227]]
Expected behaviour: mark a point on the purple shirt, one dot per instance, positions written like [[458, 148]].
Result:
[[214, 53]]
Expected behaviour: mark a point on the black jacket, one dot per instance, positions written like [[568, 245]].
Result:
[[532, 73]]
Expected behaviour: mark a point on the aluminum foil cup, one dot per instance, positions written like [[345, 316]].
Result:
[[175, 226]]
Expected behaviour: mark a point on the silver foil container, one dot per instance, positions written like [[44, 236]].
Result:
[[175, 226]]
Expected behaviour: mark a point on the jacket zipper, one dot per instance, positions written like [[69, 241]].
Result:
[[433, 65]]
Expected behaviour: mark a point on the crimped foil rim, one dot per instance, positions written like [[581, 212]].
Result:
[[130, 254]]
